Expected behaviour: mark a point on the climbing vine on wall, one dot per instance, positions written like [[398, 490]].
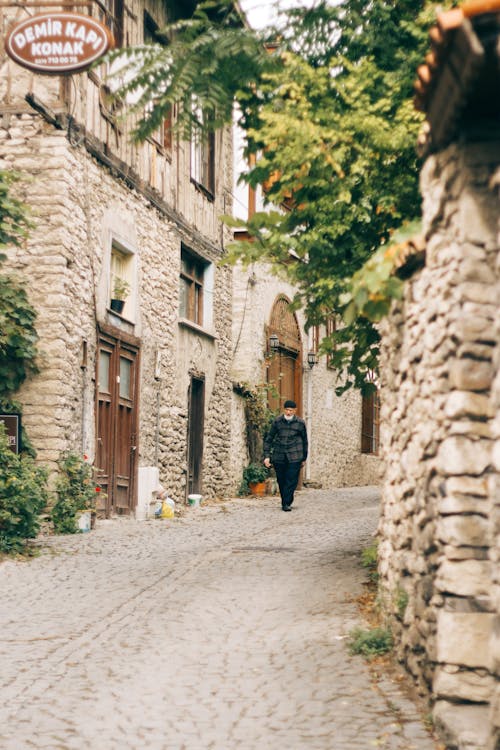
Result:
[[258, 417], [18, 336]]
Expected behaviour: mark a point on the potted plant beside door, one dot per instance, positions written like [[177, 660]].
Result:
[[77, 494], [121, 289], [254, 479]]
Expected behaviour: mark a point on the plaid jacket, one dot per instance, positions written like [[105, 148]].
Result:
[[286, 440]]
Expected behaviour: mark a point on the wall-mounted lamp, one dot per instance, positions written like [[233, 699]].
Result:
[[312, 359], [274, 342]]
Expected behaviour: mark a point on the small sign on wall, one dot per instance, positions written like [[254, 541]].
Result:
[[57, 43], [12, 425]]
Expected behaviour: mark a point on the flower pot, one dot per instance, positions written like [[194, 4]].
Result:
[[257, 488], [117, 305]]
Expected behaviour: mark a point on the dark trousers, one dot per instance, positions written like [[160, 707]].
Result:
[[287, 474]]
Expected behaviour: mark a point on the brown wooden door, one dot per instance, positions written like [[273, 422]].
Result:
[[117, 379], [196, 426], [282, 376], [284, 373]]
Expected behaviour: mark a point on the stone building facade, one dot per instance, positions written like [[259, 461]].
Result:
[[261, 307], [146, 392], [439, 533]]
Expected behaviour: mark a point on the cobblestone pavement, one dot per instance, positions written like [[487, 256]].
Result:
[[223, 629]]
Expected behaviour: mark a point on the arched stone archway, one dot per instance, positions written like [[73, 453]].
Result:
[[284, 365]]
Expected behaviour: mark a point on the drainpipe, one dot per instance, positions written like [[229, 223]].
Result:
[[157, 377], [309, 422], [83, 371]]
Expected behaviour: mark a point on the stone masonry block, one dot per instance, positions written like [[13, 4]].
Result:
[[475, 292], [471, 270], [465, 577], [477, 211], [471, 375], [464, 638], [467, 530], [473, 328], [467, 486], [462, 726], [472, 428], [456, 504], [467, 404], [458, 455], [463, 685]]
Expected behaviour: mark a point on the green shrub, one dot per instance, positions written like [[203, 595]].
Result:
[[369, 560], [253, 473], [76, 491], [370, 643], [23, 497]]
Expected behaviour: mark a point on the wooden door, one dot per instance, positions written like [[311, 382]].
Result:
[[196, 426], [117, 379], [284, 372], [282, 377]]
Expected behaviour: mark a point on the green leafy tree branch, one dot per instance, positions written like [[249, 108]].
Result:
[[325, 105]]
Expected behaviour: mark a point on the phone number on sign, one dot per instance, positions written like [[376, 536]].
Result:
[[56, 60]]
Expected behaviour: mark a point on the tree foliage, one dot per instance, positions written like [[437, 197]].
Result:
[[327, 114], [18, 336], [23, 497]]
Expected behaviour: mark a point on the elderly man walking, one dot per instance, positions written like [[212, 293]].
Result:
[[285, 446]]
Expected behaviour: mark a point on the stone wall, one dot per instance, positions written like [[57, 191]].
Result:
[[437, 439], [495, 531], [239, 448]]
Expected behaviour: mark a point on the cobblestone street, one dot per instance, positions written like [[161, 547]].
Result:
[[223, 629]]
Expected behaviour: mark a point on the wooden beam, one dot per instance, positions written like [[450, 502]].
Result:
[[70, 4]]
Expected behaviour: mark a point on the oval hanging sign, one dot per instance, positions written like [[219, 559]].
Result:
[[57, 43]]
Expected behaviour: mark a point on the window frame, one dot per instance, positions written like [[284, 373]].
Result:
[[162, 135], [122, 264], [370, 424], [202, 154], [112, 15], [193, 277]]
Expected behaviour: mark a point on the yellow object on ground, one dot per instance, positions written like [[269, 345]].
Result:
[[166, 510]]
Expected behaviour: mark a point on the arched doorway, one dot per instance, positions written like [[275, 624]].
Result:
[[284, 369]]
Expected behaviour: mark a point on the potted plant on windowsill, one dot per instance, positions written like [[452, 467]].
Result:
[[254, 479], [121, 289]]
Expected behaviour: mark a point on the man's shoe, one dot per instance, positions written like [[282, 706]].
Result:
[[286, 508]]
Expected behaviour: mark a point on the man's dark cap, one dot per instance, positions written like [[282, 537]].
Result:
[[289, 405]]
